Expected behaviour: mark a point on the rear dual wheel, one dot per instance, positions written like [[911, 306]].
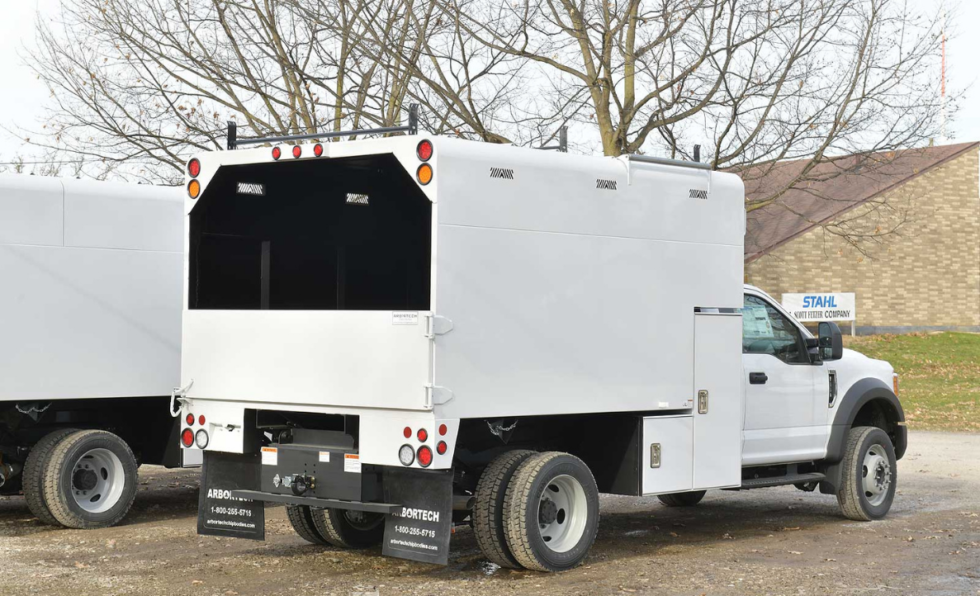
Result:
[[548, 517], [337, 527], [80, 479]]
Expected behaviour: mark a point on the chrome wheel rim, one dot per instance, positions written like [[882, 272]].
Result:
[[97, 480], [876, 475], [563, 510]]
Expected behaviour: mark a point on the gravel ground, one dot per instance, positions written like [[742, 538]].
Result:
[[772, 541]]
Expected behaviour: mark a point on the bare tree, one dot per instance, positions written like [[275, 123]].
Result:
[[757, 82]]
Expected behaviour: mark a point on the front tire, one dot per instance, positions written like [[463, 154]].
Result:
[[551, 512], [90, 480], [349, 529], [688, 499], [869, 475]]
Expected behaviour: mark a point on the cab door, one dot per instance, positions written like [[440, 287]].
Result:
[[780, 423]]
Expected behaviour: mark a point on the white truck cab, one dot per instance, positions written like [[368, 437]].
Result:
[[392, 336]]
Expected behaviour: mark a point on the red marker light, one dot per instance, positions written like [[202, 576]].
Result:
[[297, 151], [443, 429], [276, 153], [442, 447], [194, 168], [187, 437], [425, 456], [200, 419], [424, 150], [423, 435], [318, 149], [407, 432], [190, 420]]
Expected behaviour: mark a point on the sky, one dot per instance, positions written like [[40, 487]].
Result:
[[23, 97]]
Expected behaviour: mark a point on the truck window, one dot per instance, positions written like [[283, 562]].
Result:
[[765, 330], [331, 234]]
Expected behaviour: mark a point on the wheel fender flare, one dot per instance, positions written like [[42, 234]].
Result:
[[864, 391]]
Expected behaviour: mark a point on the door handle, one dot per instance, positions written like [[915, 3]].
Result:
[[758, 378]]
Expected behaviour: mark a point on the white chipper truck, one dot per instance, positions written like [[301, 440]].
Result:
[[90, 352], [394, 335]]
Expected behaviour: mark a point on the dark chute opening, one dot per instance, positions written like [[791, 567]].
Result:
[[325, 234]]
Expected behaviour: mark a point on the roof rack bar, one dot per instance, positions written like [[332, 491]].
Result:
[[664, 161], [412, 128], [562, 145]]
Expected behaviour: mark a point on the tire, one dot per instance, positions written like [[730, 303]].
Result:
[[33, 474], [349, 529], [688, 499], [90, 480], [488, 508], [301, 518], [551, 512], [869, 474]]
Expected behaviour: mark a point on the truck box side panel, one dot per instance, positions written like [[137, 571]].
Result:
[[81, 322], [124, 216], [560, 323], [571, 282]]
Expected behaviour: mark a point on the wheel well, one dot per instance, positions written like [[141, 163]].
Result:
[[881, 414]]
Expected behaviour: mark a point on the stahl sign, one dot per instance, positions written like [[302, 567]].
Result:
[[820, 306]]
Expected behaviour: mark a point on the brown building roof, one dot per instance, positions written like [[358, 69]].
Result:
[[828, 190]]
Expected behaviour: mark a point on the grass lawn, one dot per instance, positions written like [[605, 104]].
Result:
[[938, 376]]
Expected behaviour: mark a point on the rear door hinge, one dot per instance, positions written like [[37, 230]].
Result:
[[436, 395], [437, 325]]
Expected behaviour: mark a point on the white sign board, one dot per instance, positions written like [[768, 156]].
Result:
[[820, 306]]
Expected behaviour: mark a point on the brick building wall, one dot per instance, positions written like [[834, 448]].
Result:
[[925, 275]]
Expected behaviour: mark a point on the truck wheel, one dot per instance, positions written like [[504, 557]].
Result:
[[488, 508], [301, 518], [33, 475], [551, 512], [344, 528], [869, 474], [90, 480], [682, 499]]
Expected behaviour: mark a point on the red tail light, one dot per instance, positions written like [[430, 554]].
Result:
[[424, 150], [276, 153], [423, 435], [187, 437], [441, 448], [318, 149], [425, 456], [190, 420], [297, 151], [194, 168]]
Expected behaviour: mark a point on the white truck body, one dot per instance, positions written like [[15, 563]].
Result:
[[93, 278], [517, 291]]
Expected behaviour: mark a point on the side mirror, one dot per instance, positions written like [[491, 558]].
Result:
[[831, 341]]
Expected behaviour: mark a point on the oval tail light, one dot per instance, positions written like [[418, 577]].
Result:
[[194, 168]]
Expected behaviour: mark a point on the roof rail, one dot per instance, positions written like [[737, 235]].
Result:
[[413, 128], [664, 161]]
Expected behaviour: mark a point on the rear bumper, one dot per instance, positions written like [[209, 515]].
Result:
[[254, 495]]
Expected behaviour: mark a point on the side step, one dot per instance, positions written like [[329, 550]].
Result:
[[781, 480]]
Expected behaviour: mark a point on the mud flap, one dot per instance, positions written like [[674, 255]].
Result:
[[220, 514], [420, 530]]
